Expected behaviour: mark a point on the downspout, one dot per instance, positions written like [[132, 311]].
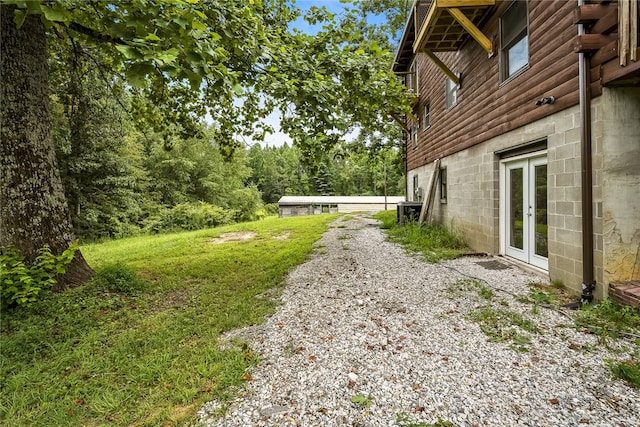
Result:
[[584, 68]]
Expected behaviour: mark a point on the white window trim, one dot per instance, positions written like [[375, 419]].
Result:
[[446, 93], [502, 73], [426, 124], [414, 77]]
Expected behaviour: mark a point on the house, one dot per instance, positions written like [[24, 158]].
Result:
[[532, 108], [311, 205]]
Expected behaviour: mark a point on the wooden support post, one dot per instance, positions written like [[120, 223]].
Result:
[[634, 30], [623, 30], [430, 194]]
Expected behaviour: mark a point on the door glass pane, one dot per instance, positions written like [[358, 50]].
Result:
[[516, 219], [541, 248]]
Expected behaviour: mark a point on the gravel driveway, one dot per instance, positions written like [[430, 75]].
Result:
[[369, 335]]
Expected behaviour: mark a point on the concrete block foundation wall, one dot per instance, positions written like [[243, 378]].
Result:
[[619, 117], [473, 194]]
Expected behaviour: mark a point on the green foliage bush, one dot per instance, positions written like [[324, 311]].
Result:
[[119, 278], [190, 216], [21, 283], [271, 209], [246, 204]]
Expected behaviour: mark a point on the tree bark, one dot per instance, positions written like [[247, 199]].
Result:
[[33, 208]]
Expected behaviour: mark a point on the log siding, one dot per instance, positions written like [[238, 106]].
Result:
[[486, 106]]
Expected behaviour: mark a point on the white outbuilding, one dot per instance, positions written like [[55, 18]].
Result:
[[311, 205]]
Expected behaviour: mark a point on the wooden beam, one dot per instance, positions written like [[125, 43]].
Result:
[[464, 3], [612, 71], [472, 30], [402, 125], [588, 43], [605, 54], [450, 74], [589, 13], [428, 22], [607, 24]]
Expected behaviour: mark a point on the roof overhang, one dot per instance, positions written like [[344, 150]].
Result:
[[449, 23], [441, 26]]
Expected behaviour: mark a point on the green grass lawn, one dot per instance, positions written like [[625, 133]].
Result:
[[139, 345]]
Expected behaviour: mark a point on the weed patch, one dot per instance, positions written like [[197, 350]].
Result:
[[608, 319], [504, 326], [628, 370], [466, 286], [435, 242]]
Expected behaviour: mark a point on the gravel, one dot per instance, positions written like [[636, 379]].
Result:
[[369, 335]]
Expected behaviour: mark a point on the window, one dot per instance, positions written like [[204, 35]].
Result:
[[417, 194], [411, 79], [443, 185], [426, 118], [514, 40], [413, 135], [452, 93]]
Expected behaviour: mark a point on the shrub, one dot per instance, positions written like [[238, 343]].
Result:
[[21, 283], [118, 278], [246, 204], [190, 216], [272, 209]]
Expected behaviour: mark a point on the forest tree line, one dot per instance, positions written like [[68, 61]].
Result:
[[122, 117], [121, 181]]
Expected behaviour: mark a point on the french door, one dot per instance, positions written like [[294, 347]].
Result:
[[525, 211]]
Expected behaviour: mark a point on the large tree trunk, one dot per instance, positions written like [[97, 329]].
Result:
[[33, 208]]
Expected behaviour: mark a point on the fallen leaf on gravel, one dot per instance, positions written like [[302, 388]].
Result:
[[554, 401], [312, 358], [419, 409], [416, 387], [246, 377], [574, 346], [402, 338], [445, 358], [362, 325], [352, 384], [535, 359], [584, 421]]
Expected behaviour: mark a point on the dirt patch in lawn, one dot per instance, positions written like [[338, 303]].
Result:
[[237, 236], [283, 236]]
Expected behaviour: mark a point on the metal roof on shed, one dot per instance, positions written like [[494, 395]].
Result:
[[335, 200]]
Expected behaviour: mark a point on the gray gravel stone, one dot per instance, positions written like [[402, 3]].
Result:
[[376, 322]]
